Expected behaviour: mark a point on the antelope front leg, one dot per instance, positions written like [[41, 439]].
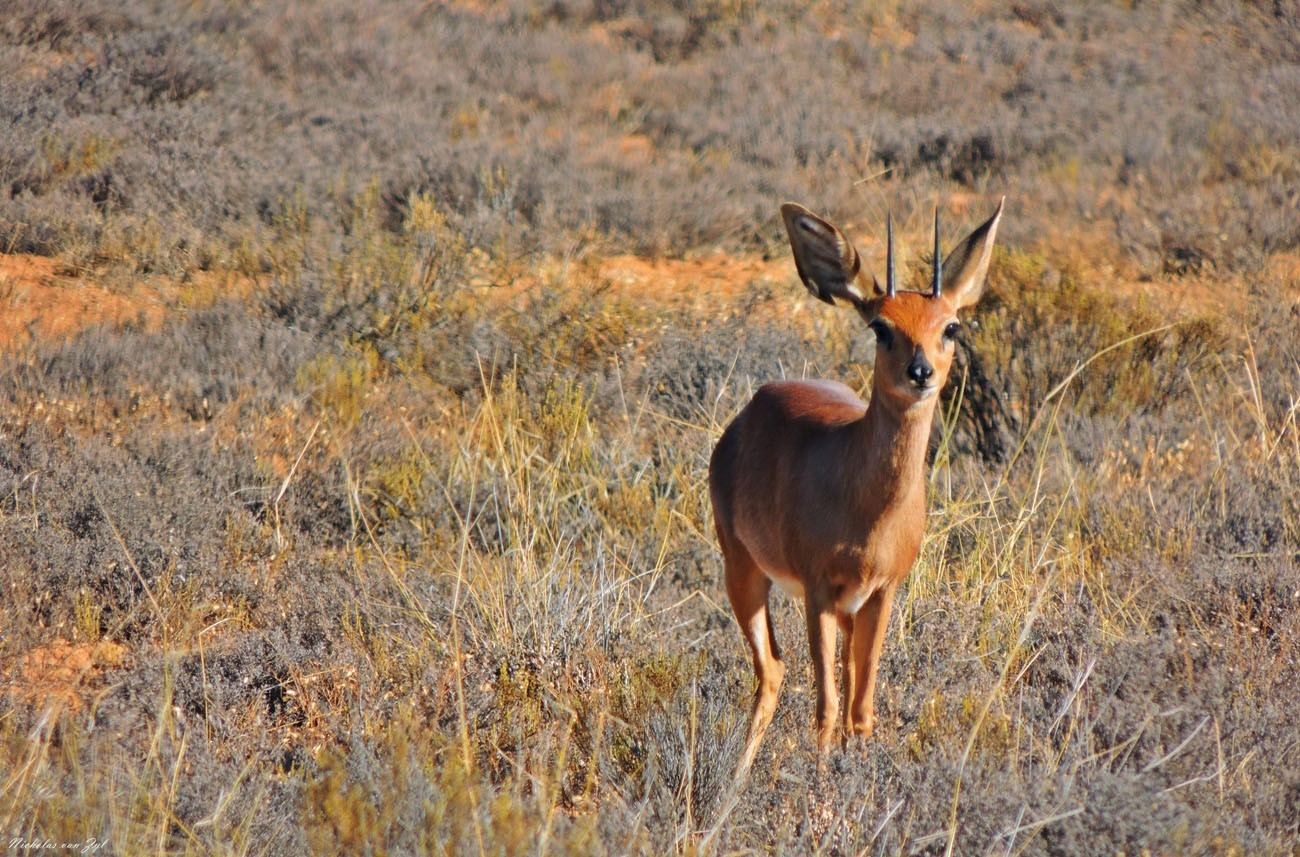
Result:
[[821, 642], [848, 671], [868, 640]]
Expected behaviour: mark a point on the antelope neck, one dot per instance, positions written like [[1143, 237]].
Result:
[[896, 442]]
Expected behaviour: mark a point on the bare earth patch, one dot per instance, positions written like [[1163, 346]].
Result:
[[39, 300], [56, 675], [692, 282]]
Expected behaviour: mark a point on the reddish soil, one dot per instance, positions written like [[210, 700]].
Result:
[[692, 281], [41, 299], [57, 674]]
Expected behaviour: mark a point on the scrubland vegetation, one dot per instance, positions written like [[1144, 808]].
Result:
[[392, 536]]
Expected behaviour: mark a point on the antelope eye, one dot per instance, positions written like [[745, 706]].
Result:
[[950, 332], [884, 333]]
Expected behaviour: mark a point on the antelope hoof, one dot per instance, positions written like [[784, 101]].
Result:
[[826, 739], [857, 742]]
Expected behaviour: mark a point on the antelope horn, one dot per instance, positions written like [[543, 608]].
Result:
[[936, 285], [890, 283]]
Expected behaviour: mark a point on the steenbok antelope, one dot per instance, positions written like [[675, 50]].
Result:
[[824, 495]]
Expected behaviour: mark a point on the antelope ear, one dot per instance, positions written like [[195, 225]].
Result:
[[828, 263], [967, 267]]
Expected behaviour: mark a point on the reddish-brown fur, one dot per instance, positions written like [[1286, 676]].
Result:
[[823, 495]]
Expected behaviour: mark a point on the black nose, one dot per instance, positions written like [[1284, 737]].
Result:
[[919, 370]]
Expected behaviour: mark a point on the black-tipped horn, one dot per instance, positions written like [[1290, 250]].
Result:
[[891, 285], [936, 285]]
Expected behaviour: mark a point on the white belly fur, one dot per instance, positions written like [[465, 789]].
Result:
[[789, 585], [851, 600], [848, 604]]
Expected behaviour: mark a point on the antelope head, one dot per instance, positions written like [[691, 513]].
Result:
[[916, 331]]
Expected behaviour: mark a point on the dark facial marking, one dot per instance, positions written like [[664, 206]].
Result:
[[884, 333]]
